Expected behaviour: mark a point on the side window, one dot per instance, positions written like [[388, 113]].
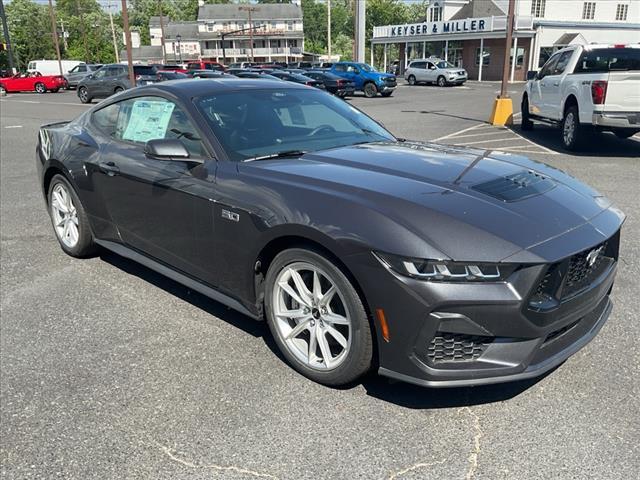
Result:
[[430, 66], [149, 118], [81, 68], [562, 63], [100, 73], [106, 119], [75, 69], [352, 69], [549, 67], [341, 68]]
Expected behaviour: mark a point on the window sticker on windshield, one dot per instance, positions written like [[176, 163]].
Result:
[[148, 120]]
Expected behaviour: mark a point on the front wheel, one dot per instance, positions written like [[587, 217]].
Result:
[[317, 318], [69, 219], [442, 82], [118, 90], [40, 88], [411, 80], [526, 123], [386, 94], [571, 129], [370, 90]]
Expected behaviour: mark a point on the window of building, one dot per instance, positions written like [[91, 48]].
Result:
[[435, 14], [274, 25], [621, 11], [519, 57], [588, 10], [210, 27], [289, 25], [486, 56], [537, 8]]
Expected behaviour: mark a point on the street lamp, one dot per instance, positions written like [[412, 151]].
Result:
[[178, 38]]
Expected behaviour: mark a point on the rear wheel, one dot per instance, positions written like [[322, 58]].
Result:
[[442, 82], [370, 90], [317, 318], [526, 123], [40, 88], [386, 94], [55, 90], [69, 219], [411, 80], [572, 131], [83, 94], [118, 90]]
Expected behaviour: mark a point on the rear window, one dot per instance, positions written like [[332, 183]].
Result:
[[609, 60], [144, 70]]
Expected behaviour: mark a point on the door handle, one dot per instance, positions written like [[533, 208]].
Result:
[[555, 84], [109, 168]]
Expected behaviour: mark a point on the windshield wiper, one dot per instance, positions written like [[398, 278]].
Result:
[[284, 154]]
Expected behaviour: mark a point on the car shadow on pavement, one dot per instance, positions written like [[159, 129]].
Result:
[[217, 309], [416, 397], [599, 144]]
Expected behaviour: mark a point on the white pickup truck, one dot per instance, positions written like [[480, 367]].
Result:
[[586, 87]]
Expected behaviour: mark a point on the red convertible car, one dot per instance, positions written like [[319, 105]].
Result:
[[26, 82]]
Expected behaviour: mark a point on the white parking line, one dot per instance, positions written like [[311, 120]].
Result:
[[500, 132], [13, 126], [455, 133], [490, 140], [40, 102]]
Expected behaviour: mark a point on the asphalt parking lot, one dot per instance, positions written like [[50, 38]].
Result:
[[108, 370]]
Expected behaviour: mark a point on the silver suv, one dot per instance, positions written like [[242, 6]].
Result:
[[434, 70]]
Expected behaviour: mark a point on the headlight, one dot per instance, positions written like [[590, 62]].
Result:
[[446, 271]]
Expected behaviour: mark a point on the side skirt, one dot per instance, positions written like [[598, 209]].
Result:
[[176, 276]]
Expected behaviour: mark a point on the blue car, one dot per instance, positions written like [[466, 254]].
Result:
[[366, 78]]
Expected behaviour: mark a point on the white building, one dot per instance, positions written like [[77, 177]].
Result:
[[464, 32], [222, 33]]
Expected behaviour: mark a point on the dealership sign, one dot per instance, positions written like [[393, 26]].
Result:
[[468, 25]]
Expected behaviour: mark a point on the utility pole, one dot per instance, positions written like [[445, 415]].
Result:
[[164, 51], [507, 50], [113, 36], [127, 38], [83, 33], [64, 35], [361, 13], [329, 30], [54, 32], [6, 37], [502, 113], [250, 10]]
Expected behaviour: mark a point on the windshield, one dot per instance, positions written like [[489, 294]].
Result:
[[443, 64], [258, 123]]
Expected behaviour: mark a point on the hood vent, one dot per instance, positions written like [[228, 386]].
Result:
[[516, 187]]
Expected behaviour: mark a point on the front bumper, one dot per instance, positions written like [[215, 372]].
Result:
[[629, 120], [463, 334], [459, 79]]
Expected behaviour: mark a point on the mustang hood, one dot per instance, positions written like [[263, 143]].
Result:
[[468, 203]]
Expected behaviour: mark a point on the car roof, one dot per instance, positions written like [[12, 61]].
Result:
[[198, 87]]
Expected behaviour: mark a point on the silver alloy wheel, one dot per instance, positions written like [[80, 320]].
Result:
[[65, 216], [441, 81], [412, 80], [84, 95], [311, 316], [40, 88], [569, 129]]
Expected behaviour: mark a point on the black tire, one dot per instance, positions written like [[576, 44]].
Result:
[[55, 90], [3, 91], [85, 245], [370, 90], [386, 94], [526, 123], [40, 87], [83, 95], [412, 80], [571, 132], [359, 358], [625, 133], [118, 90], [442, 82]]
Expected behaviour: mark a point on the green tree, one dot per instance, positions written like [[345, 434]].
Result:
[[30, 30]]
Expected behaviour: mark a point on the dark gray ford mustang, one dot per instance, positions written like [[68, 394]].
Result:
[[437, 265]]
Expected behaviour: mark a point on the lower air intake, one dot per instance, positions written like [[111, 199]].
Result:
[[455, 347]]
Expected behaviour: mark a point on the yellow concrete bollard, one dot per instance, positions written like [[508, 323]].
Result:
[[502, 113]]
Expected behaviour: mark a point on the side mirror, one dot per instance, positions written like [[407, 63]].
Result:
[[90, 76], [532, 74], [166, 149]]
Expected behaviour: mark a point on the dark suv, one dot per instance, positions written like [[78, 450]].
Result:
[[112, 79]]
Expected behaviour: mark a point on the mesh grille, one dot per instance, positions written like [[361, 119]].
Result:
[[453, 347], [583, 269]]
